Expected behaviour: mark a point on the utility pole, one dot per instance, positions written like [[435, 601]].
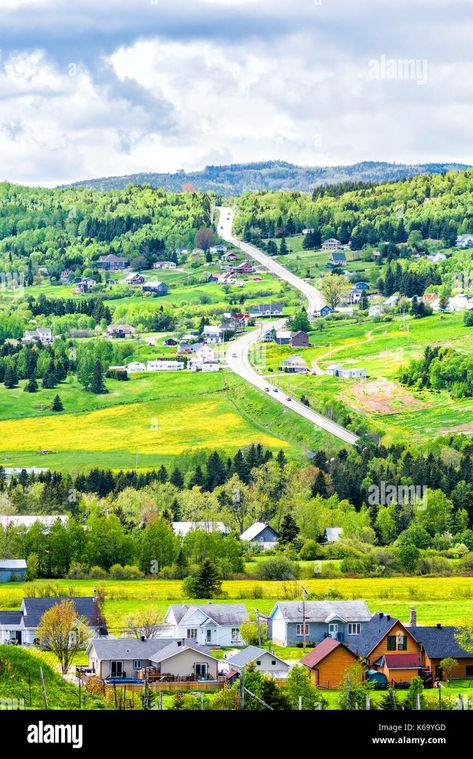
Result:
[[304, 629], [242, 688], [43, 688]]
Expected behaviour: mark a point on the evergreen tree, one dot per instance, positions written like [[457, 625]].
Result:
[[32, 385], [288, 530], [57, 404], [283, 247], [97, 384], [207, 582], [320, 485], [11, 378], [176, 478], [197, 478]]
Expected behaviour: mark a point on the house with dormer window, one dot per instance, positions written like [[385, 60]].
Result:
[[206, 624]]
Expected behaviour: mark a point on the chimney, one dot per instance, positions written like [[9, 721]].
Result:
[[439, 626], [412, 618], [381, 615], [143, 638], [388, 617]]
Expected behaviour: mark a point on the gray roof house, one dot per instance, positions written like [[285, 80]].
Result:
[[292, 621], [265, 662], [24, 632], [12, 569], [205, 624], [261, 534], [162, 659]]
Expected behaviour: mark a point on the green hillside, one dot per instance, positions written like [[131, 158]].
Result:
[[20, 679]]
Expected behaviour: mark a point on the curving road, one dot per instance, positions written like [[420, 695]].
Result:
[[238, 352]]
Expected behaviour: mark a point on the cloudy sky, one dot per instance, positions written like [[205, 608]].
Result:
[[92, 88]]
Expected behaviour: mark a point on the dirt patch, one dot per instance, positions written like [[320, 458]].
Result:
[[384, 397], [466, 428]]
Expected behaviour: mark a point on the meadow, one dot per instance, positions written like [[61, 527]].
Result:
[[146, 422], [381, 348]]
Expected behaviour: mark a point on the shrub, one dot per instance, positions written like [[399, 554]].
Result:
[[278, 568], [78, 571], [97, 573], [311, 550], [117, 572]]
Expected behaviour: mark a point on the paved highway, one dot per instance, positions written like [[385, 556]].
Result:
[[238, 354]]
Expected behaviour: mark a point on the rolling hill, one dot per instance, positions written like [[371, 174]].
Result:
[[235, 179]]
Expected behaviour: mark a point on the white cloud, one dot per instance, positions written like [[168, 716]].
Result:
[[119, 87]]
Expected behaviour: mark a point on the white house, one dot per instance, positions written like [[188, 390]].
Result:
[[204, 360], [183, 528], [295, 365], [265, 662], [21, 627], [464, 241], [331, 244], [164, 365], [27, 520], [261, 534], [41, 334], [335, 370], [375, 311], [459, 302], [134, 279], [164, 265], [436, 258], [212, 334], [136, 366], [206, 624]]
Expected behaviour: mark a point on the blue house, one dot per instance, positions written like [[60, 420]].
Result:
[[325, 311], [12, 569], [291, 621], [362, 286], [260, 534], [157, 288]]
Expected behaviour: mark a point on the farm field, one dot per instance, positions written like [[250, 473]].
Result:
[[448, 600], [381, 348], [145, 422]]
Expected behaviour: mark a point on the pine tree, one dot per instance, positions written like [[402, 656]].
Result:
[[176, 478], [57, 404], [207, 581], [32, 385], [283, 247], [320, 486], [97, 384], [288, 530], [11, 378], [197, 479]]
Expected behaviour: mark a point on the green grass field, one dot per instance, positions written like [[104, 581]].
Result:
[[145, 422], [381, 348]]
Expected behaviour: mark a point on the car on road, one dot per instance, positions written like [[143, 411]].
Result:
[[276, 390], [234, 355], [266, 389], [288, 399]]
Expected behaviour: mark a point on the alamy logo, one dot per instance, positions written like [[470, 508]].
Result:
[[399, 69], [385, 494], [44, 733]]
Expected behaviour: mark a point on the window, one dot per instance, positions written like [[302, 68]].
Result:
[[302, 629], [191, 632], [402, 642], [258, 663], [469, 670], [354, 628], [273, 662], [391, 642], [236, 635], [137, 664]]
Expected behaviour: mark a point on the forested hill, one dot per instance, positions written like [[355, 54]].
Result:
[[431, 206], [236, 179], [72, 227]]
